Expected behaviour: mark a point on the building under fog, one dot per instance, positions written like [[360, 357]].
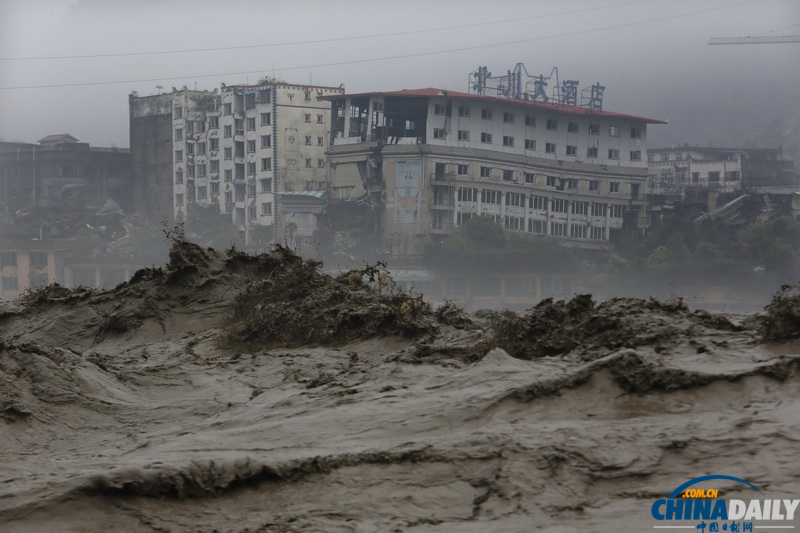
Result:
[[683, 167], [253, 151], [431, 159]]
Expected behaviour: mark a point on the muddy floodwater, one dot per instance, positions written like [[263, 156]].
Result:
[[232, 393]]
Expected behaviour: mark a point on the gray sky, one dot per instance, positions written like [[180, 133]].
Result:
[[650, 54]]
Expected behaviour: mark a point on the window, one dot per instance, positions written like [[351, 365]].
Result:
[[189, 126], [190, 170], [251, 212], [636, 155], [594, 185], [552, 124], [437, 220], [665, 157], [486, 114], [320, 163], [266, 164], [266, 185], [251, 190], [530, 144], [178, 200], [266, 209], [251, 124], [251, 147], [8, 259], [486, 172], [463, 135], [536, 226], [462, 170], [538, 203], [613, 131], [599, 210], [530, 177], [591, 151], [308, 118], [463, 111], [308, 140], [228, 175], [508, 118], [227, 109], [201, 170], [201, 148], [308, 162], [229, 153], [613, 153], [489, 196], [650, 158], [320, 141], [514, 223], [551, 181], [508, 141], [213, 122], [214, 144], [38, 259], [572, 183], [439, 194], [613, 186], [596, 233], [467, 194], [508, 174], [636, 133], [320, 119], [617, 211], [227, 131], [438, 133], [266, 141], [577, 231], [550, 148], [178, 134], [251, 168], [580, 208], [215, 187], [439, 109], [559, 205], [572, 150], [558, 229], [201, 126], [515, 199], [678, 156], [179, 177], [178, 156], [266, 119], [238, 125], [178, 112], [189, 148], [530, 120], [594, 129], [713, 177], [695, 177], [572, 127], [462, 218], [486, 138], [202, 192]]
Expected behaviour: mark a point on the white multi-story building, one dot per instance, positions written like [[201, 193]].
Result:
[[436, 158], [243, 148]]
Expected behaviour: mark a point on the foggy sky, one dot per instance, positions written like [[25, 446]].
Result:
[[650, 54]]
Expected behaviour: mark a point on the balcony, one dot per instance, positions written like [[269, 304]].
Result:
[[447, 178]]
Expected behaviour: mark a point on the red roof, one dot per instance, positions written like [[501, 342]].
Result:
[[546, 106]]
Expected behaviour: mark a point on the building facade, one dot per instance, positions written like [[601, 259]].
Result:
[[60, 169], [676, 169], [432, 159], [235, 149]]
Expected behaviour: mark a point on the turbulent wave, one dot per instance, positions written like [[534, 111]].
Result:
[[254, 393]]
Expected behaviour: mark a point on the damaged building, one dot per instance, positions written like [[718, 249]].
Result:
[[428, 160]]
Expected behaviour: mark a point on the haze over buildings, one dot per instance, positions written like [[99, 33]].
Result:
[[651, 55]]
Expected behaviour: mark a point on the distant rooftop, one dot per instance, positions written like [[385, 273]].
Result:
[[58, 139]]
